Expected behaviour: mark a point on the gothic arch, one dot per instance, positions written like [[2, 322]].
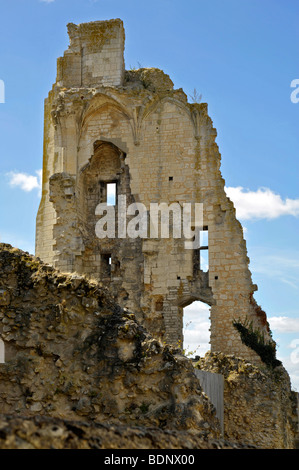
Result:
[[97, 106], [152, 106]]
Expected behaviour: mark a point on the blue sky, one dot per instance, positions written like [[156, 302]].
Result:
[[241, 56]]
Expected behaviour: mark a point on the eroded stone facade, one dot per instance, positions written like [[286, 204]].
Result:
[[106, 125], [260, 407], [72, 353]]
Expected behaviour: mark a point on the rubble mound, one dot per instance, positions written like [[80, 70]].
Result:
[[42, 432], [71, 352]]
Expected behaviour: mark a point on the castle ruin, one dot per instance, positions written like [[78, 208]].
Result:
[[107, 129]]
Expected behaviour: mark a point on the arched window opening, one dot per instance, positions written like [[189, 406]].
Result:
[[2, 351], [196, 329]]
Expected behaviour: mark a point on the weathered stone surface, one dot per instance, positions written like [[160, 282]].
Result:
[[259, 405], [4, 297], [104, 124], [81, 372], [73, 349], [72, 352], [151, 79]]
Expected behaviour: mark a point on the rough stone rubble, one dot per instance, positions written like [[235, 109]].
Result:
[[72, 355]]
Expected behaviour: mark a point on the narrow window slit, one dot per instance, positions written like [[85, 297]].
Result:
[[111, 194]]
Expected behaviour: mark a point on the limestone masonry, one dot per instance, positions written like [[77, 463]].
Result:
[[107, 126]]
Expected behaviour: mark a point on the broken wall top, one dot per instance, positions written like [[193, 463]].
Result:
[[95, 55]]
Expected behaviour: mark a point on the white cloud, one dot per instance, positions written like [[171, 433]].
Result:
[[261, 204], [47, 1], [290, 283], [24, 181], [196, 329], [284, 324]]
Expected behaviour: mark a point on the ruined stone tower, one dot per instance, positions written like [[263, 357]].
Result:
[[130, 131]]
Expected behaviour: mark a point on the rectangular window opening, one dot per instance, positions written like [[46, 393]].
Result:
[[204, 238], [111, 194], [204, 259], [106, 264], [204, 249]]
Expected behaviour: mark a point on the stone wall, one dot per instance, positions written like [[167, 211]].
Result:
[[165, 151], [259, 406], [78, 368]]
